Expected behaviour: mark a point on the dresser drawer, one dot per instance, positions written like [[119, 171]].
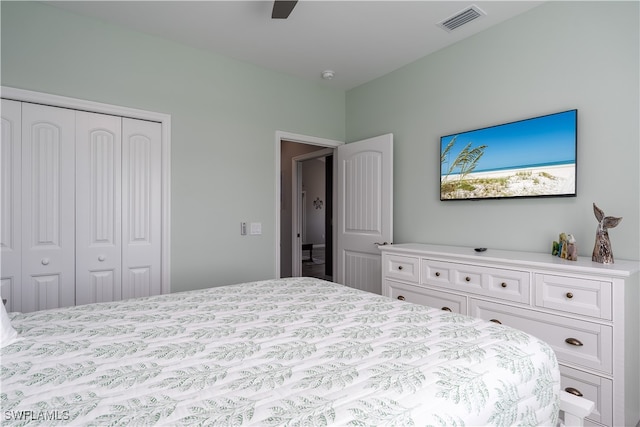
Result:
[[401, 267], [597, 389], [592, 342], [574, 295], [438, 273], [429, 297], [509, 285]]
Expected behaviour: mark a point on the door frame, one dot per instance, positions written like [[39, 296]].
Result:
[[23, 95], [281, 136], [296, 178]]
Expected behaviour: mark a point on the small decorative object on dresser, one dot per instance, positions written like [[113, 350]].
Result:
[[572, 249], [586, 311], [565, 247], [602, 252]]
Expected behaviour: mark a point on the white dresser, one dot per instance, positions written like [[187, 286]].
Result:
[[588, 312]]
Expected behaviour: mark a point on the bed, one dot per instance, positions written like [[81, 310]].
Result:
[[296, 351]]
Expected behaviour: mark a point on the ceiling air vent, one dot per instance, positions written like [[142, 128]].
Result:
[[459, 19]]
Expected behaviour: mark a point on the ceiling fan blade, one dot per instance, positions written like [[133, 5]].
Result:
[[282, 8]]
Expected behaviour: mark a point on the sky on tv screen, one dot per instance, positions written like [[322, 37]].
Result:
[[541, 141]]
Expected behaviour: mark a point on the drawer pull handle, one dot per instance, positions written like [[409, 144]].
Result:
[[573, 391], [446, 309], [400, 297], [399, 267], [574, 341], [496, 321], [503, 284], [468, 279], [437, 274], [569, 295]]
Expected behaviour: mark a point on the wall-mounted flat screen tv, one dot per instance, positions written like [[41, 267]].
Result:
[[535, 157]]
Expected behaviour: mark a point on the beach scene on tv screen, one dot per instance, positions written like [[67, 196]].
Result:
[[528, 158]]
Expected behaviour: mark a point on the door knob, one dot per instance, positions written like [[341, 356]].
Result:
[[101, 258], [45, 261]]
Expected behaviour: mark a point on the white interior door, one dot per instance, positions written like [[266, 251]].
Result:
[[141, 208], [364, 210], [48, 210], [98, 208], [10, 217]]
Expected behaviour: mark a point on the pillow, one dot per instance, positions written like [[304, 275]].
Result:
[[9, 335]]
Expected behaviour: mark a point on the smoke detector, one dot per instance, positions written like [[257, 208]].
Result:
[[461, 18], [328, 74]]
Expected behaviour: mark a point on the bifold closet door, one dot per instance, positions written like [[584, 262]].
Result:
[[48, 210], [10, 217], [141, 208], [118, 225], [81, 213], [98, 208]]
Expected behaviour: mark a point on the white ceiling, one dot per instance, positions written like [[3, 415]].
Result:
[[359, 40]]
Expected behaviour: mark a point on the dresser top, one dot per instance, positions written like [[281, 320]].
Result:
[[621, 268]]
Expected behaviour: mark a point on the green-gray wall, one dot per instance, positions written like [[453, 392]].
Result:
[[225, 114], [558, 56]]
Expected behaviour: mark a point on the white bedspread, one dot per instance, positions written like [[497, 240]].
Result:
[[279, 352]]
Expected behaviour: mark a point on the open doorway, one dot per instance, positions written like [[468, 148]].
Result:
[[305, 220], [312, 225], [287, 146]]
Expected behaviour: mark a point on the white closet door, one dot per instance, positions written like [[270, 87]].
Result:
[[98, 208], [141, 208], [10, 217], [48, 211]]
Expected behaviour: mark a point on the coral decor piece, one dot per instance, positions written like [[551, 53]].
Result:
[[602, 252]]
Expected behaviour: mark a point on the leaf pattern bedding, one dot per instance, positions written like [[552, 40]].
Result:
[[293, 352]]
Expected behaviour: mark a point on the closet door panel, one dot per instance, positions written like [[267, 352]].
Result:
[[141, 207], [48, 210], [98, 208], [46, 291], [10, 217]]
